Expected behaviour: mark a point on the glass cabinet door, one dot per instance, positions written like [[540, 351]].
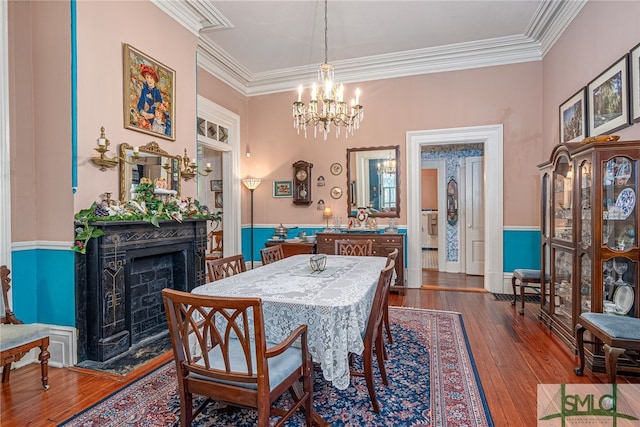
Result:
[[585, 283], [563, 289], [585, 203], [619, 287], [563, 200], [619, 203]]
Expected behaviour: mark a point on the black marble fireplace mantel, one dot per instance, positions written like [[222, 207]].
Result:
[[120, 278]]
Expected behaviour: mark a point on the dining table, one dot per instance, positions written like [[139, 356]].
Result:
[[334, 304]]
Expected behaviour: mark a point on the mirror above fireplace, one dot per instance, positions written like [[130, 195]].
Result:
[[150, 162]]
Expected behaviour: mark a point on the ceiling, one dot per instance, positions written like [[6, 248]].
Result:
[[266, 46]]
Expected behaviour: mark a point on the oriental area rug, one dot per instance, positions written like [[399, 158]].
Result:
[[432, 382]]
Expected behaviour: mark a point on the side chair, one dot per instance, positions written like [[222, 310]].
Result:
[[271, 254], [17, 339], [391, 258], [373, 336], [221, 352], [353, 248], [224, 267]]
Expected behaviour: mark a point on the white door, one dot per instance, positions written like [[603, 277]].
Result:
[[474, 216]]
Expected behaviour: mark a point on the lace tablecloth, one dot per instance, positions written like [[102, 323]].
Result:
[[335, 308]]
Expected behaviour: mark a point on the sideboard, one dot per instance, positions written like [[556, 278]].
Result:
[[382, 245]]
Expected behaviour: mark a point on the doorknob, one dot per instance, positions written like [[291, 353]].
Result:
[[468, 225]]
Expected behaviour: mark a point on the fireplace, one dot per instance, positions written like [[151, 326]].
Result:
[[120, 279]]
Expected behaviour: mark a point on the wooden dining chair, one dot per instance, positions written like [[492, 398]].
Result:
[[221, 352], [391, 258], [224, 267], [373, 336], [353, 248], [271, 254], [17, 338]]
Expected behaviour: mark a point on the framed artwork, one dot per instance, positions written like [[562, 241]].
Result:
[[634, 69], [149, 95], [216, 184], [217, 199], [573, 117], [282, 189], [608, 99]]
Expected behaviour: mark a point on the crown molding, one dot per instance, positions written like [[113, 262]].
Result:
[[547, 25]]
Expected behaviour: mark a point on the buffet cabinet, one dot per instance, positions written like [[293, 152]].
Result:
[[589, 244], [382, 245]]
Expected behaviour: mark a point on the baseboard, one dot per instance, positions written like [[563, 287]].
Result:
[[62, 347]]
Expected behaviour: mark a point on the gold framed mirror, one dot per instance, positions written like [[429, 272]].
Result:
[[151, 162], [373, 180]]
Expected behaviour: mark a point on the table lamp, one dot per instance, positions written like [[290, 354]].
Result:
[[327, 214]]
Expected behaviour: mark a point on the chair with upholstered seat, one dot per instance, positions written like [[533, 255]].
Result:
[[17, 339], [619, 335], [221, 352], [373, 336], [271, 254], [353, 248], [225, 267]]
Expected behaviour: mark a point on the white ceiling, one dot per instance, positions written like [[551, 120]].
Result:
[[264, 46]]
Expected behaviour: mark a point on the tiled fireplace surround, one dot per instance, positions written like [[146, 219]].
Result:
[[120, 279]]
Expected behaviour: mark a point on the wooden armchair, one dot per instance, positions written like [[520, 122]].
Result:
[[221, 352], [17, 339], [353, 248], [225, 267], [373, 336], [271, 254]]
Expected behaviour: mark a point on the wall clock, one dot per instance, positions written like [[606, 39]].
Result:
[[336, 169], [336, 192], [302, 182]]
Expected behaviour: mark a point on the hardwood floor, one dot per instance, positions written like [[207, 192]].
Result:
[[513, 354]]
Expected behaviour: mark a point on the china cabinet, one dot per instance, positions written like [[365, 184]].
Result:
[[589, 246]]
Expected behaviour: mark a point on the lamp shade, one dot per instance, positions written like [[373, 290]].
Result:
[[327, 212], [251, 183]]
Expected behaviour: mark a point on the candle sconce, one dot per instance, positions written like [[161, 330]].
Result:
[[189, 168], [102, 160], [105, 162]]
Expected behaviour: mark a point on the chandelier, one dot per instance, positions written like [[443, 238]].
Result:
[[388, 166], [327, 105]]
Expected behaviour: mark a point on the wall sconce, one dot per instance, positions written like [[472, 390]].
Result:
[[189, 168], [103, 161]]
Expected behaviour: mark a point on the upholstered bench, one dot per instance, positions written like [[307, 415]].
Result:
[[528, 279], [620, 335]]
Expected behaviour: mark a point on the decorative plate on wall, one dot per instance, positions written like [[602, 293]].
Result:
[[336, 168], [336, 192]]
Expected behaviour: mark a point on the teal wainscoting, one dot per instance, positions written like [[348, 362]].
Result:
[[521, 249], [43, 286], [262, 234]]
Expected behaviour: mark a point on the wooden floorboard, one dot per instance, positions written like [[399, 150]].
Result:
[[512, 353]]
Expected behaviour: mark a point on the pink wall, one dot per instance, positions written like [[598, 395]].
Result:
[[522, 97], [103, 27], [40, 92], [510, 95], [600, 35]]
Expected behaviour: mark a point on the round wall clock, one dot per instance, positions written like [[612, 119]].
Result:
[[336, 192], [336, 169]]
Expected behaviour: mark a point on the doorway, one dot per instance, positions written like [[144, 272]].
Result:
[[492, 138]]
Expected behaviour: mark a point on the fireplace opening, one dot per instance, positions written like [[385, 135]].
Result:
[[147, 276]]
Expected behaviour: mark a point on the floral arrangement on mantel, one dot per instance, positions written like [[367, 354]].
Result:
[[146, 206]]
